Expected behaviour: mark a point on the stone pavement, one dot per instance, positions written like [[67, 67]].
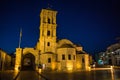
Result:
[[8, 75]]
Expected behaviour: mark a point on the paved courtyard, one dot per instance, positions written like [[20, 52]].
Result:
[[80, 75]]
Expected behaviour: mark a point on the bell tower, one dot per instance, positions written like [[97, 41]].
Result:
[[47, 39]]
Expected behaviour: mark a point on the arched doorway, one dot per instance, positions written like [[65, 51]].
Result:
[[28, 62]]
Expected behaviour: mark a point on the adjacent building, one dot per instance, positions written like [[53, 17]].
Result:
[[5, 60], [111, 56], [113, 53]]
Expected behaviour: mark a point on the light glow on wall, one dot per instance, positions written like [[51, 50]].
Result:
[[89, 68], [69, 66], [16, 67], [78, 65], [53, 66]]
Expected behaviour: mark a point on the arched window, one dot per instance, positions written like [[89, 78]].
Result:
[[63, 57], [48, 44], [49, 20], [69, 57], [49, 60], [48, 33], [83, 60]]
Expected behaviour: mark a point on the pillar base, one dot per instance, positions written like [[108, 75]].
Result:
[[17, 68]]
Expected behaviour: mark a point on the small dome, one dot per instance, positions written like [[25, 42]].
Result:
[[81, 52], [65, 43], [78, 45], [66, 46]]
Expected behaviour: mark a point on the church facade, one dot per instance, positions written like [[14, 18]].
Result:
[[50, 53]]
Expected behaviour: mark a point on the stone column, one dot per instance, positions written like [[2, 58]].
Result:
[[18, 59]]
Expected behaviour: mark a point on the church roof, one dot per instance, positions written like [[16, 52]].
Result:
[[78, 45], [81, 52], [66, 46], [65, 43]]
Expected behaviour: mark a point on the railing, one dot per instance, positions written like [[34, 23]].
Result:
[[41, 76], [15, 78]]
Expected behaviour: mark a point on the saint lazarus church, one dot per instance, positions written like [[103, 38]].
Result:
[[50, 53]]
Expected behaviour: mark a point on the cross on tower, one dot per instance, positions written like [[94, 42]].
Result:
[[49, 6]]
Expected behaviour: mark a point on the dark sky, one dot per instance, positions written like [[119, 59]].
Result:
[[94, 24]]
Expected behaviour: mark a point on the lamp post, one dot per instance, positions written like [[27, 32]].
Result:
[[38, 58], [39, 63]]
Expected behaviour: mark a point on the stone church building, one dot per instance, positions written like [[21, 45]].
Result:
[[50, 53]]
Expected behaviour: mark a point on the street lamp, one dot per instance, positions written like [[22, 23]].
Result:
[[39, 63]]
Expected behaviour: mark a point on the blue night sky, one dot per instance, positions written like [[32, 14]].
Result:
[[94, 24]]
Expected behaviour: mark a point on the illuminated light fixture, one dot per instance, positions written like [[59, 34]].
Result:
[[53, 66], [69, 67], [111, 67], [43, 66], [16, 68], [89, 68], [78, 65], [40, 70]]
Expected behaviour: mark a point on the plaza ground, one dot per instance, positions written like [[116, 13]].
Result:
[[79, 75]]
